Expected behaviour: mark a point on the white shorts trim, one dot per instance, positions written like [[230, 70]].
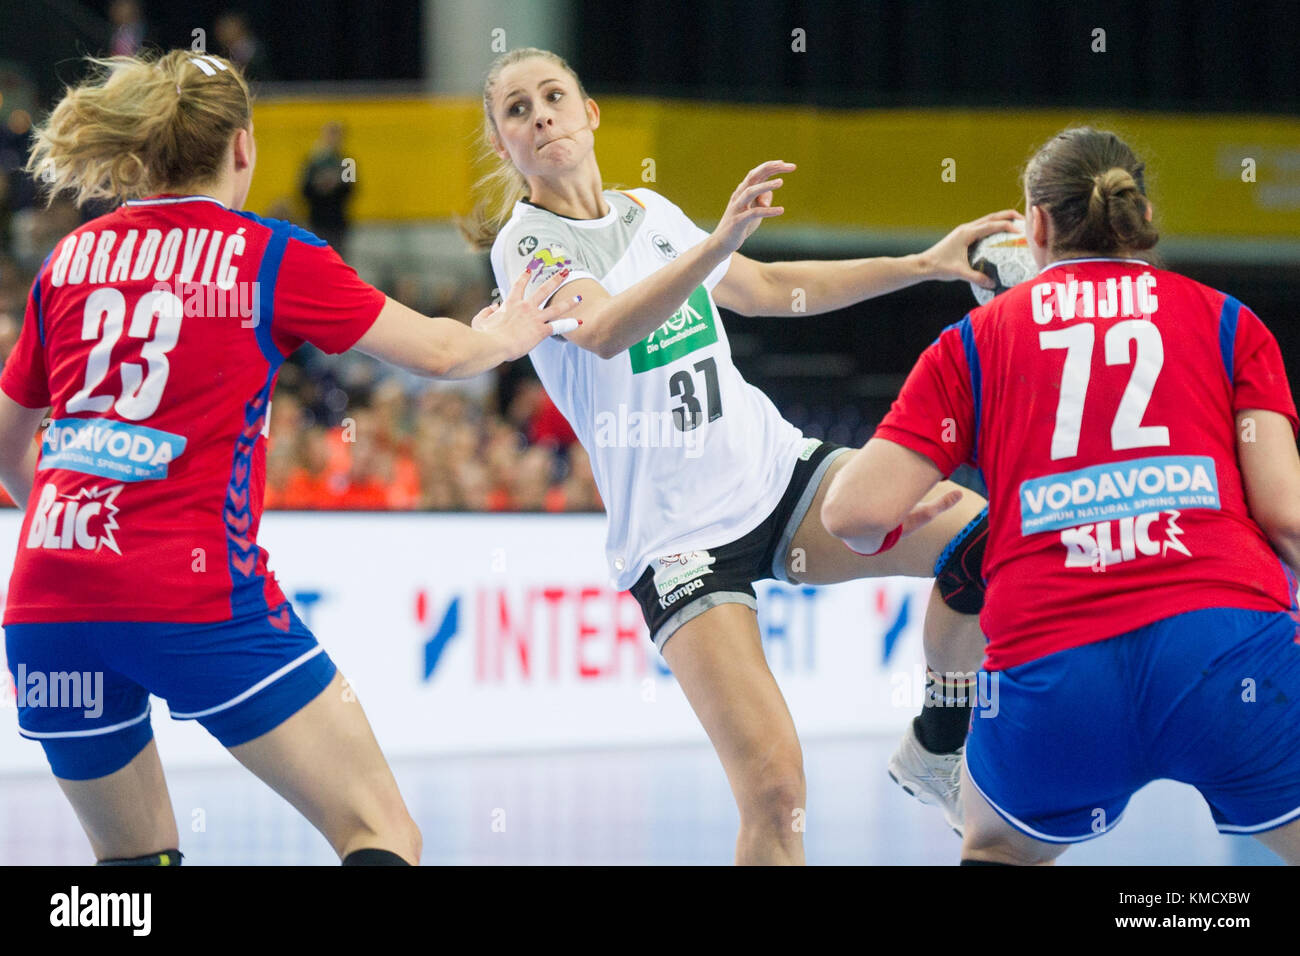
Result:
[[269, 679], [1029, 831], [98, 732], [1261, 827], [800, 512], [698, 607]]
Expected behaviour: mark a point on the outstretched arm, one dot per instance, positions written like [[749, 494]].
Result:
[[613, 323], [769, 288], [440, 347]]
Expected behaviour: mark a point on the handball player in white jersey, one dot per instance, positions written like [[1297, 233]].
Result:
[[707, 488]]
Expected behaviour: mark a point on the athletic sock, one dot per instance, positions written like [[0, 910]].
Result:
[[945, 718], [373, 857], [164, 858]]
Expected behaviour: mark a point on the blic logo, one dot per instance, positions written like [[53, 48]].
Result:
[[1153, 534], [85, 520]]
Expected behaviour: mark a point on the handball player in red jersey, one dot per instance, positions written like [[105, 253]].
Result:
[[153, 336], [1137, 434]]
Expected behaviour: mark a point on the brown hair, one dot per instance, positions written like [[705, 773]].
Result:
[[503, 185], [141, 125], [1092, 185]]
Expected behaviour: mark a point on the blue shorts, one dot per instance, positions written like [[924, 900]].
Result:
[[83, 688], [1209, 698]]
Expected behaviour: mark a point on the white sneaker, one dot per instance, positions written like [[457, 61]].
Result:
[[934, 779]]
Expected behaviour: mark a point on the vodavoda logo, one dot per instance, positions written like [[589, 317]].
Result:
[[109, 449], [1120, 490]]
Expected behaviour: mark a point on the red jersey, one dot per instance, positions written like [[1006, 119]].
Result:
[[154, 334], [1098, 401]]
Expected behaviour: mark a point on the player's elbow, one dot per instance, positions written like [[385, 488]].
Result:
[[846, 517], [598, 340]]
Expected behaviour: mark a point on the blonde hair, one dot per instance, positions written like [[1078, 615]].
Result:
[[503, 185], [1092, 185], [141, 125]]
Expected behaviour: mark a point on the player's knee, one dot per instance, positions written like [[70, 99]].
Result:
[[994, 849], [776, 801], [959, 572]]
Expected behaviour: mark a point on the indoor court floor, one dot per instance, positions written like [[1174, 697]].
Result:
[[653, 806]]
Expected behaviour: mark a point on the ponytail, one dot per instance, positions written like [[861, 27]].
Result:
[[141, 125]]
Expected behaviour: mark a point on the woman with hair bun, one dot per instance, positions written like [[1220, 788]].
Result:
[[153, 336], [1137, 435]]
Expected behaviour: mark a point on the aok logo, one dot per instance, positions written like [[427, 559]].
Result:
[[677, 321], [691, 327], [85, 520], [1152, 534]]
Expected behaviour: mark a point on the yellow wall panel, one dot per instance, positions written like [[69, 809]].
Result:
[[870, 169]]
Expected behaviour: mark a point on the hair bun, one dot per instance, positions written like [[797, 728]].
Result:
[[1113, 182]]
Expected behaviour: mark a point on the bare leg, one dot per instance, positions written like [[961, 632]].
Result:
[[718, 660], [990, 838], [325, 761], [818, 557], [1284, 841], [127, 813]]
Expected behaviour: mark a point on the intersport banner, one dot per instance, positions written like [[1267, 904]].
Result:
[[500, 633]]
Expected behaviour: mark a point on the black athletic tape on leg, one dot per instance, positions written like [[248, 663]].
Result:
[[372, 857], [161, 858], [960, 575]]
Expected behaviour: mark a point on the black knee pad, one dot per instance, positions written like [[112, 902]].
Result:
[[959, 570], [161, 858]]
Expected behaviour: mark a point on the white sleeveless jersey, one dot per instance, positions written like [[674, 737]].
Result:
[[686, 454]]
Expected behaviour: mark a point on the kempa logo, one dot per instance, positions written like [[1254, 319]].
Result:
[[686, 589], [526, 245], [639, 429], [691, 327]]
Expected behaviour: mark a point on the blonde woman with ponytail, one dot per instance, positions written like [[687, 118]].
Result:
[[707, 488], [153, 336], [1137, 434]]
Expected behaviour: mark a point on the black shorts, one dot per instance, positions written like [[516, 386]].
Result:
[[676, 588]]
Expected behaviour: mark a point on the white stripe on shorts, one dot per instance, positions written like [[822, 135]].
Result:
[[1027, 830], [1261, 827], [269, 679], [48, 735]]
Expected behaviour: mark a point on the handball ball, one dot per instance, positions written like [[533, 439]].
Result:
[[1003, 257]]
